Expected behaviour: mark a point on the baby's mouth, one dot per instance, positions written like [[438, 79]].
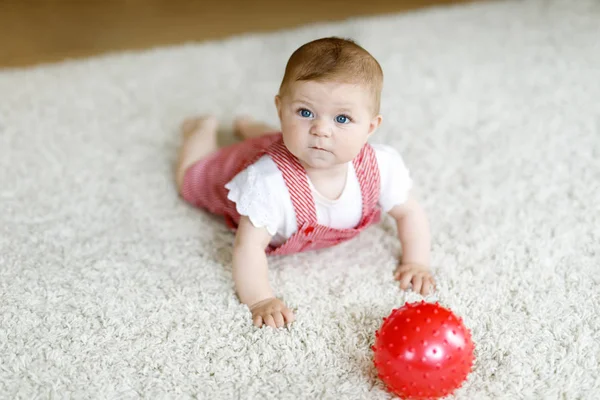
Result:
[[319, 148]]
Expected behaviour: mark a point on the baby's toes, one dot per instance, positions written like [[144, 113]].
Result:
[[196, 124], [189, 126]]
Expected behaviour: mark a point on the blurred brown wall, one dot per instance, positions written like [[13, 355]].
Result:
[[34, 31]]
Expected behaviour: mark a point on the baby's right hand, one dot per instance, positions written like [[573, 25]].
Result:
[[272, 312]]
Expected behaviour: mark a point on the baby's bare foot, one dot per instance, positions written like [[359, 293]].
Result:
[[246, 127], [199, 141], [241, 124], [194, 125]]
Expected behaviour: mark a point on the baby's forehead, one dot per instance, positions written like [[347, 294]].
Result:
[[330, 89], [343, 94]]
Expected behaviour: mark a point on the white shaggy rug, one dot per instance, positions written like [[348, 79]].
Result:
[[112, 287]]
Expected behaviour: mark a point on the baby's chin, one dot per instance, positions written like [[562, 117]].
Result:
[[320, 161]]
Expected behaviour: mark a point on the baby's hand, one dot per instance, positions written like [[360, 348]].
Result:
[[418, 275], [272, 312]]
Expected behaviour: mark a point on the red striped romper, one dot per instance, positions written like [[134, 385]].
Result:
[[204, 187]]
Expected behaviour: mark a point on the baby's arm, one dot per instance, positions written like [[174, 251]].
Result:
[[251, 276], [414, 235]]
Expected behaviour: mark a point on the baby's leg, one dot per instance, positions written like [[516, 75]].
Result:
[[199, 141], [247, 128]]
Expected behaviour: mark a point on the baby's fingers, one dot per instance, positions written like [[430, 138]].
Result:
[[428, 286], [278, 317], [288, 315], [417, 283], [270, 321], [405, 279], [257, 321]]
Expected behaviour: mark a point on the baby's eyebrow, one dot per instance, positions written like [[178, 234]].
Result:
[[301, 101], [340, 107]]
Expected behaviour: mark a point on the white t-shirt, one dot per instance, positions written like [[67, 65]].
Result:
[[260, 193]]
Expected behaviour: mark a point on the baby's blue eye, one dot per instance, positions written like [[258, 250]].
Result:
[[305, 113], [342, 119]]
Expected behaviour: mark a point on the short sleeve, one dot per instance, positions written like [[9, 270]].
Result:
[[256, 198], [396, 182]]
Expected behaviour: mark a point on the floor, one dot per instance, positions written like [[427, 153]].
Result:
[[39, 31], [112, 287]]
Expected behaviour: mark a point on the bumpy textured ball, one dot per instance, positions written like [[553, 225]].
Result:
[[423, 351]]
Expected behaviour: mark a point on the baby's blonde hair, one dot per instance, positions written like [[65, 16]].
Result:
[[334, 59]]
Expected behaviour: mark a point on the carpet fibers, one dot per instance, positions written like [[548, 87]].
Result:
[[112, 287]]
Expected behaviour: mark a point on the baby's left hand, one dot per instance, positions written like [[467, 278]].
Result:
[[418, 275]]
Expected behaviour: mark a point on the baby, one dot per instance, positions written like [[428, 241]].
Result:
[[311, 185]]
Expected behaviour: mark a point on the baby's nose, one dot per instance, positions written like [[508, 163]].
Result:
[[320, 128]]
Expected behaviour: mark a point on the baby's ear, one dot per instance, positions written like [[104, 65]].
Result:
[[374, 124], [278, 105]]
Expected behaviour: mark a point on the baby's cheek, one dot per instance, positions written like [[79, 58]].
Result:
[[293, 140], [351, 149], [297, 132], [300, 124]]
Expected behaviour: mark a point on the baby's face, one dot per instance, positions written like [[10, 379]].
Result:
[[325, 124]]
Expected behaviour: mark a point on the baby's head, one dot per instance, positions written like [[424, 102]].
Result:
[[328, 101], [335, 60]]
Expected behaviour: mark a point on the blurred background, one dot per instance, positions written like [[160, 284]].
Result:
[[41, 31]]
